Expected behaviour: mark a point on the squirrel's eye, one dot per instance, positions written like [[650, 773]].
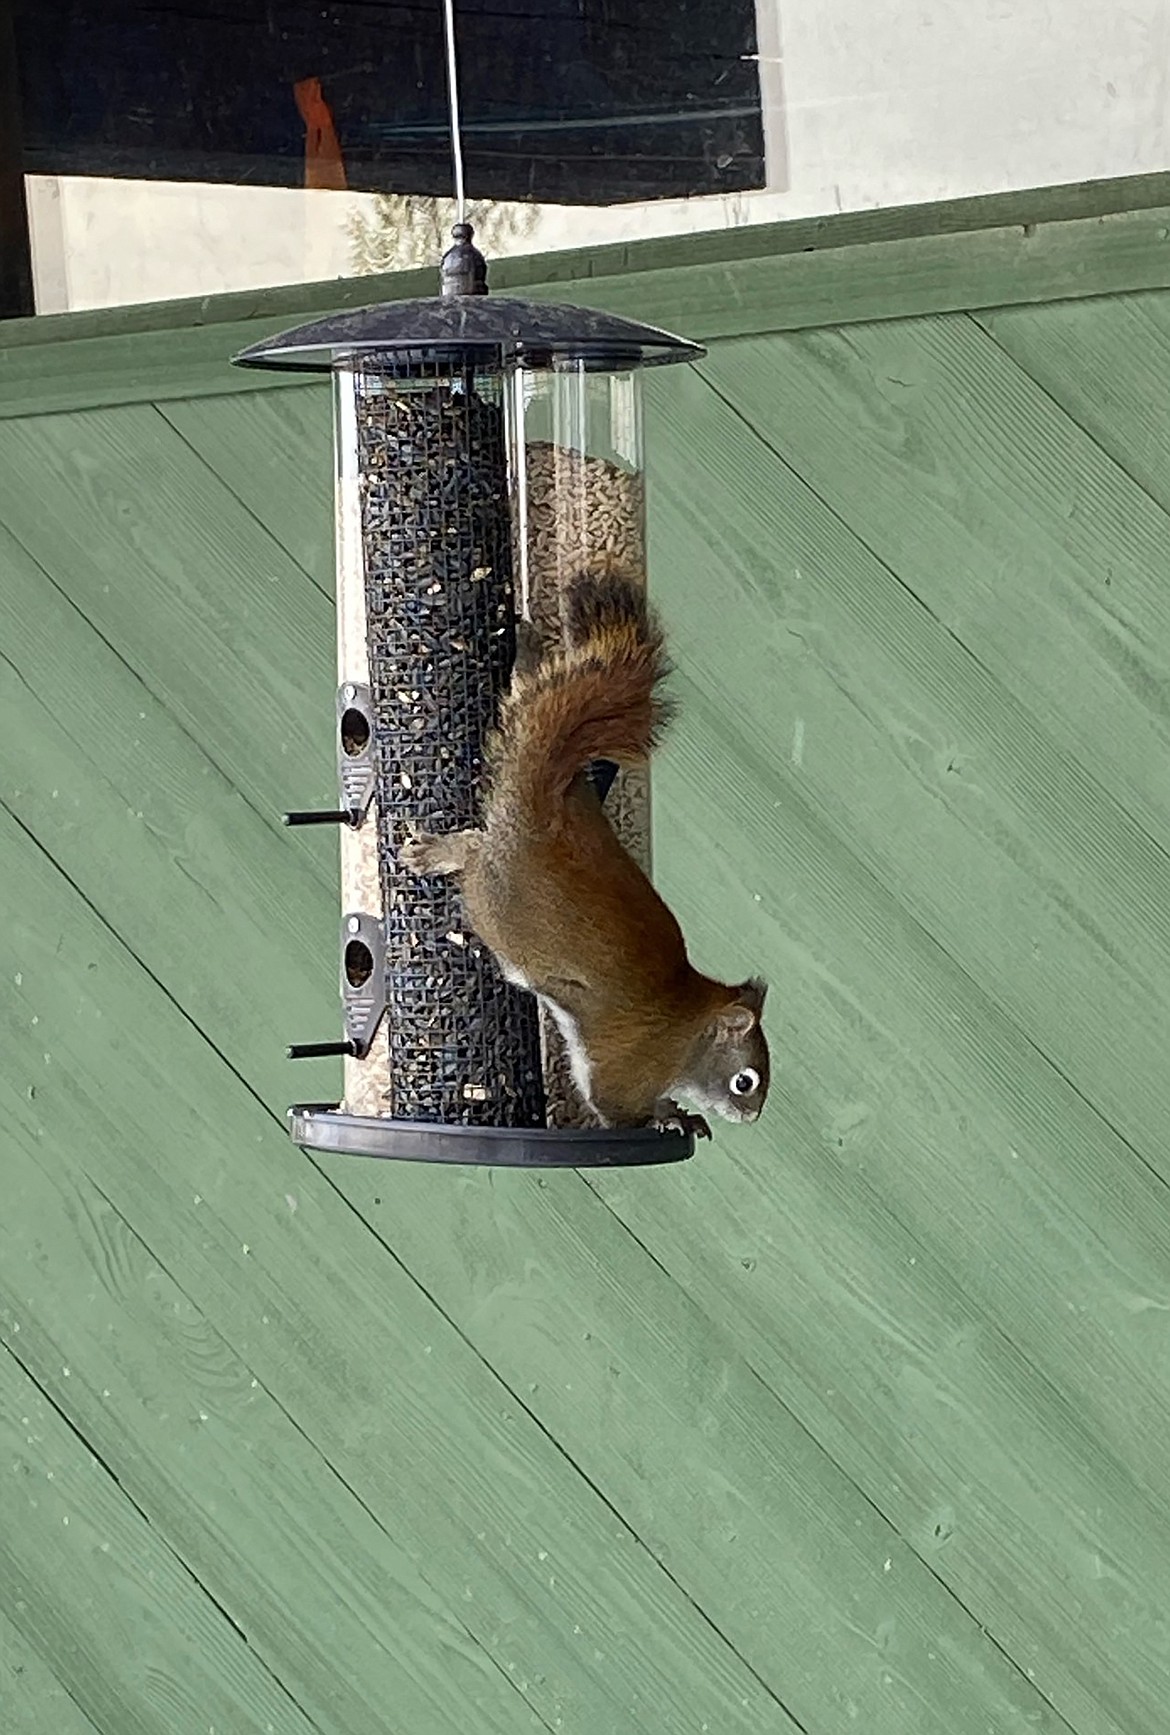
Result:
[[745, 1082]]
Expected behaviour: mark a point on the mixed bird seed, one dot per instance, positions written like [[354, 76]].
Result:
[[459, 1043]]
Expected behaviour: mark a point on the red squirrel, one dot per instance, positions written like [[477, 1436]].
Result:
[[564, 907]]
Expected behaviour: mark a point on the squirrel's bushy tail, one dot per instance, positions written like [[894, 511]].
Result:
[[597, 696]]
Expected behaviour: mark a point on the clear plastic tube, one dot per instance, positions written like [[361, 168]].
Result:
[[579, 496]]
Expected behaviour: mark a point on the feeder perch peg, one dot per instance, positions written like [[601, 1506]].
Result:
[[338, 816], [487, 454], [320, 1050]]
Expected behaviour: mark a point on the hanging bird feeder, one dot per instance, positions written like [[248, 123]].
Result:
[[488, 452]]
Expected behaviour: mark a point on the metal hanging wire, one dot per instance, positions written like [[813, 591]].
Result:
[[453, 108]]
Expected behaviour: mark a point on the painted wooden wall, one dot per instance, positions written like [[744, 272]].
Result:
[[857, 1423]]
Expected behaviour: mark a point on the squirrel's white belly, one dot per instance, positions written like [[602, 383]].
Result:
[[579, 1064], [511, 974]]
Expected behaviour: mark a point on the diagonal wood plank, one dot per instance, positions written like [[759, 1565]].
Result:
[[243, 1038], [752, 1488], [133, 803], [547, 1578], [1102, 360], [660, 1406], [183, 548], [927, 765], [936, 1251], [998, 512], [1113, 1373], [35, 1702], [193, 969], [965, 1671], [323, 1594], [135, 1640], [274, 450]]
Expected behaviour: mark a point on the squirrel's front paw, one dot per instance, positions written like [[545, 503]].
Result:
[[416, 852], [424, 853], [669, 1118]]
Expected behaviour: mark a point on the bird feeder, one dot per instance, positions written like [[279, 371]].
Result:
[[488, 451]]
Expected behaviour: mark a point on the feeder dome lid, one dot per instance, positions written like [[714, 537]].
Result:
[[490, 331]]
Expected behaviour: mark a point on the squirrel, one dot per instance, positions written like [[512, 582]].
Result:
[[563, 906]]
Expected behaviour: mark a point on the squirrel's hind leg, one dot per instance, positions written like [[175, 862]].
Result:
[[424, 853]]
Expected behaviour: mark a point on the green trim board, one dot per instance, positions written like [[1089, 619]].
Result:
[[1015, 249], [1074, 202]]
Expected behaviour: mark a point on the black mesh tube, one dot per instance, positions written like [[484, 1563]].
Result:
[[437, 543]]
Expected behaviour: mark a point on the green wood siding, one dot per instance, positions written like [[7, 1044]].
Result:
[[858, 1422]]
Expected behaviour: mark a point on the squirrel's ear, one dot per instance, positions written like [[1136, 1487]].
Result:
[[743, 1014], [733, 1021]]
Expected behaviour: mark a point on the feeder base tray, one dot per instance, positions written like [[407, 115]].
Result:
[[322, 1127]]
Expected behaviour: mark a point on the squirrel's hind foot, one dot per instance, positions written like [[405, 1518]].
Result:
[[669, 1118]]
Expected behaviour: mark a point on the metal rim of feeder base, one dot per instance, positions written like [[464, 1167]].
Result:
[[323, 1127]]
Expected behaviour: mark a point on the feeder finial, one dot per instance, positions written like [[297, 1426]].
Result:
[[463, 270]]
